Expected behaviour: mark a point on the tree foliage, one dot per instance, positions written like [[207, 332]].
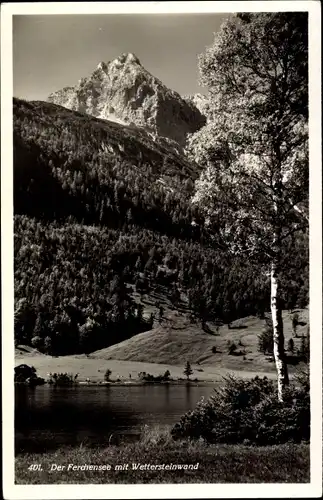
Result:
[[255, 150], [256, 147]]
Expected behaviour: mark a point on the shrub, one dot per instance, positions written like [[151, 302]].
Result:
[[295, 319], [147, 377], [37, 342], [25, 374], [232, 347], [157, 435], [62, 379], [305, 348], [248, 410], [47, 345], [107, 375], [265, 339], [291, 346], [302, 377]]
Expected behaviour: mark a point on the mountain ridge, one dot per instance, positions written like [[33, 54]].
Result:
[[124, 90]]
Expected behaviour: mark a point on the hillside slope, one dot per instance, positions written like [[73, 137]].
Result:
[[176, 341], [71, 164], [167, 347]]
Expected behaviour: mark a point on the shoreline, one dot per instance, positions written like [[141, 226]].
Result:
[[193, 383], [91, 371]]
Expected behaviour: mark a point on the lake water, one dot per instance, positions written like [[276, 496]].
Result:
[[47, 417]]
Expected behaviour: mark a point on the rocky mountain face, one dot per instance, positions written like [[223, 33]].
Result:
[[124, 91]]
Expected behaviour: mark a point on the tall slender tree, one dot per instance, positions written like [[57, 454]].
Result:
[[254, 147]]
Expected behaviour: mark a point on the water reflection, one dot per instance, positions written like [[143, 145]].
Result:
[[189, 395], [47, 417]]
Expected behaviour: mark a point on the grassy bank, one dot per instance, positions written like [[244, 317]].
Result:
[[287, 463], [125, 371]]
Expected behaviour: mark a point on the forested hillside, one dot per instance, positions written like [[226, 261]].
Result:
[[102, 210], [67, 163]]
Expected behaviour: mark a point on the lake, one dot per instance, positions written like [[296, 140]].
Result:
[[47, 418]]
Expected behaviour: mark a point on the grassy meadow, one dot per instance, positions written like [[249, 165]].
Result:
[[288, 463], [167, 347]]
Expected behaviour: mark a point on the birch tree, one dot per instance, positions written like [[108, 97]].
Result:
[[254, 187]]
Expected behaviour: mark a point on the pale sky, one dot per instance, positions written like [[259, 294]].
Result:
[[54, 51]]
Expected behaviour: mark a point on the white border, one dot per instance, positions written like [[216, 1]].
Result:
[[314, 488]]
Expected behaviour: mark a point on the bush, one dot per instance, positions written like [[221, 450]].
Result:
[[232, 347], [107, 375], [37, 342], [265, 339], [291, 346], [156, 436], [302, 377], [47, 345], [25, 374], [62, 379], [147, 377], [305, 348], [295, 320], [248, 411]]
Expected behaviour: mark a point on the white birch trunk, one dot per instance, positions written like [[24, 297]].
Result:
[[278, 334]]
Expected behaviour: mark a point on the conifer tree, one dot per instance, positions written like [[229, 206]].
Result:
[[188, 370]]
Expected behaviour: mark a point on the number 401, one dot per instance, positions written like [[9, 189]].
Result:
[[35, 467]]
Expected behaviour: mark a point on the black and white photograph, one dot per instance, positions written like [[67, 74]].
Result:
[[161, 249]]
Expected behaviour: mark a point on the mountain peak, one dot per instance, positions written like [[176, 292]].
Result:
[[127, 58], [123, 90]]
